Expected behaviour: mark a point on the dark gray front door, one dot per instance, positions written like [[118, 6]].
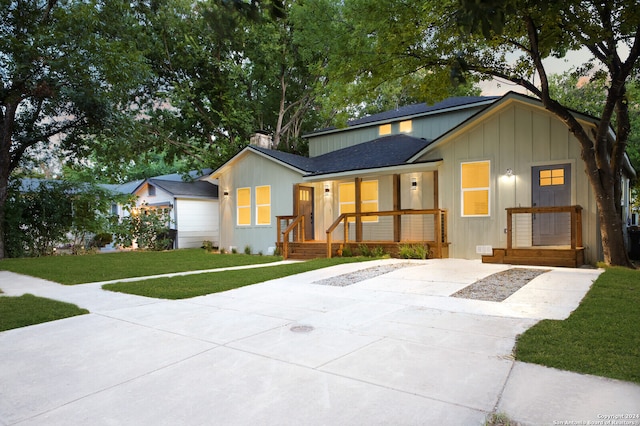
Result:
[[305, 208], [551, 186]]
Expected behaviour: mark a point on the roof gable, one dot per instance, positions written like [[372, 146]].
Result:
[[413, 111]]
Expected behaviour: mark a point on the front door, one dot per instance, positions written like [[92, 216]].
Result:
[[305, 208], [551, 186]]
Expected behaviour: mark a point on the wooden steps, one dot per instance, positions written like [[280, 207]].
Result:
[[563, 257], [307, 250]]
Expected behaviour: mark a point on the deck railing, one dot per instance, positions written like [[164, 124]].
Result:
[[438, 233], [291, 223], [519, 225]]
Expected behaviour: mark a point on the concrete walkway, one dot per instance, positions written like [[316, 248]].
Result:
[[391, 350]]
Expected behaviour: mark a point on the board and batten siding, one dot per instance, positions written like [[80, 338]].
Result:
[[427, 127], [518, 137], [250, 171]]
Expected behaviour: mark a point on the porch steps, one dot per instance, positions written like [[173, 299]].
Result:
[[561, 257], [307, 250]]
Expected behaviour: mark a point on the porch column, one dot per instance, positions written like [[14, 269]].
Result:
[[358, 209], [397, 202], [435, 190]]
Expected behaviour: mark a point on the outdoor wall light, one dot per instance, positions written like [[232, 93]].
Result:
[[509, 172], [414, 184], [327, 189], [226, 194]]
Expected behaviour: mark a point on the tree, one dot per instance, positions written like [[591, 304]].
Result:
[[68, 71], [510, 40]]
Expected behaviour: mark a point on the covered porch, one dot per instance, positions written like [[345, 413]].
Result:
[[375, 212]]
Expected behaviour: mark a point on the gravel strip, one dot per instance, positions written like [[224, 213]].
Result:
[[361, 275], [497, 287]]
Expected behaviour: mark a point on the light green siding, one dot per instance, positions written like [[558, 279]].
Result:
[[253, 170], [517, 137], [428, 127]]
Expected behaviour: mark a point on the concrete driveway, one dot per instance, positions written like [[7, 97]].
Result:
[[394, 349]]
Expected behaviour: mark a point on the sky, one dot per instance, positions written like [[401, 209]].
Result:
[[573, 59]]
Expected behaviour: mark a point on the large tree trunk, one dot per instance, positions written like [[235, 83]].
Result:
[[613, 248], [6, 131]]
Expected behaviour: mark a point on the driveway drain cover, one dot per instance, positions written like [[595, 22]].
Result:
[[301, 328]]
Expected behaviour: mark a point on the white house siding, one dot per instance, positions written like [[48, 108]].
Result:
[[518, 136], [253, 170], [197, 222]]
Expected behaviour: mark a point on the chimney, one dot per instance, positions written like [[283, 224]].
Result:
[[261, 139]]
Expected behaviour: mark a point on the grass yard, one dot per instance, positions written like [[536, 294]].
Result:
[[601, 337], [28, 309], [183, 287], [113, 266]]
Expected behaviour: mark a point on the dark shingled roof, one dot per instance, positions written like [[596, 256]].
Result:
[[187, 189], [415, 109], [392, 150], [298, 161]]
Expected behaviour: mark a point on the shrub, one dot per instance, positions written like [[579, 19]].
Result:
[[102, 239], [414, 251], [207, 245], [247, 249]]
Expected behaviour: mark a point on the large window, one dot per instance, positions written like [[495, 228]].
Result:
[[406, 126], [263, 205], [243, 206], [368, 198], [475, 188]]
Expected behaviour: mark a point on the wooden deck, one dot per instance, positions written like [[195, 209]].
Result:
[[318, 249], [538, 256], [570, 255]]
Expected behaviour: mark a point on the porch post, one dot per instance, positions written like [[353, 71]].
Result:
[[397, 202], [436, 195], [358, 209]]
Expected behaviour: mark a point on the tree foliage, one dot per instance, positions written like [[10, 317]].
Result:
[[42, 215], [68, 72], [466, 39]]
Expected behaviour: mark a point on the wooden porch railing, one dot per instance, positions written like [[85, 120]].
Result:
[[574, 211], [440, 226], [293, 222]]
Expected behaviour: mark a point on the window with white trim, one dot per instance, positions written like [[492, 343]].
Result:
[[243, 206], [475, 188], [263, 205]]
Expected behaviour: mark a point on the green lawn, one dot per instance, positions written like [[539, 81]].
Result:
[[601, 337], [113, 266], [27, 310], [182, 287]]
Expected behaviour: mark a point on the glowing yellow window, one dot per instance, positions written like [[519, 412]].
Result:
[[552, 177], [368, 202], [369, 198], [263, 205], [384, 129], [475, 188], [243, 205], [406, 126]]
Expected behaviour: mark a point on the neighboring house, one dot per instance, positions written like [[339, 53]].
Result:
[[192, 205], [442, 174]]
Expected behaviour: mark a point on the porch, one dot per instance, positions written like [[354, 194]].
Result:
[[404, 227], [556, 241]]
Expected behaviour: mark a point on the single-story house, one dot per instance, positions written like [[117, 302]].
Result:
[[498, 178], [192, 205]]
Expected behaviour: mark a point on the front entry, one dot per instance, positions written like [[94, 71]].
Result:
[[305, 208], [551, 187]]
